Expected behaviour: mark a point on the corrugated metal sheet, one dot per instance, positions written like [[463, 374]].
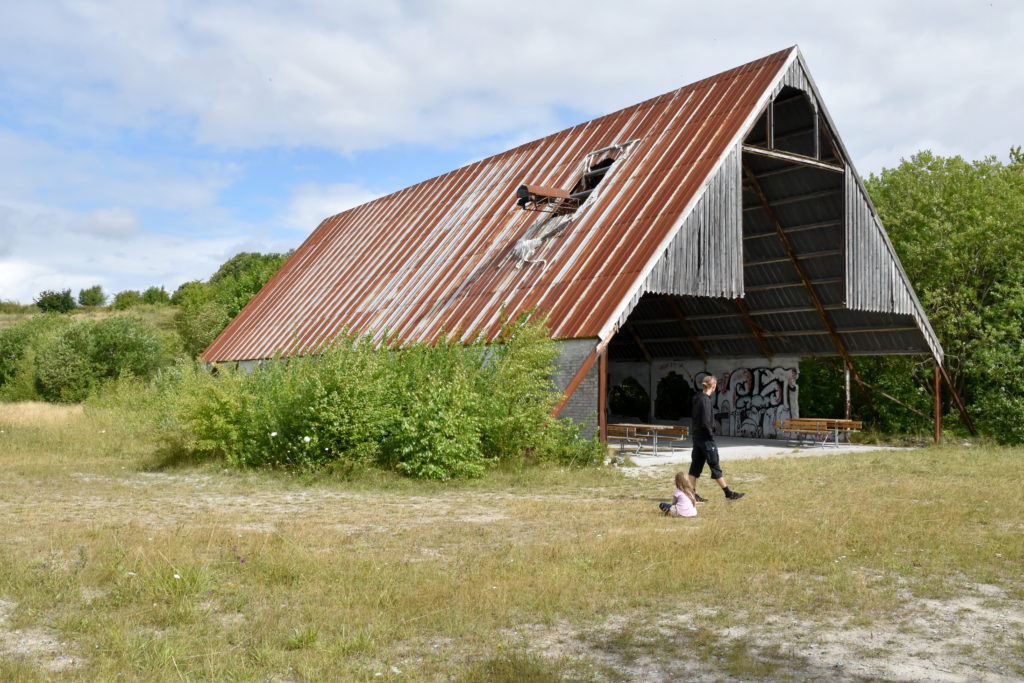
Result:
[[438, 255]]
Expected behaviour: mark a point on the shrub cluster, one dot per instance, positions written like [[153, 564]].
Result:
[[56, 358], [55, 302], [441, 411]]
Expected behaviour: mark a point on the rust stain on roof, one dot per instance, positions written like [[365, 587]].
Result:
[[441, 255]]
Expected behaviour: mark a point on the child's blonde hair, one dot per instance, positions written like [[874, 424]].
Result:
[[683, 482]]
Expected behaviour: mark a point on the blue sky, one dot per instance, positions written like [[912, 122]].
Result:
[[144, 143]]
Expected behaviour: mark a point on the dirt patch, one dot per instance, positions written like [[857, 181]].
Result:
[[33, 645], [974, 637]]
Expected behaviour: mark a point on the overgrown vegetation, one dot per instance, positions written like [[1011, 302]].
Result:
[[56, 358], [441, 411], [205, 308]]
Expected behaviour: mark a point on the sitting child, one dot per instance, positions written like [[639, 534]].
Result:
[[684, 502]]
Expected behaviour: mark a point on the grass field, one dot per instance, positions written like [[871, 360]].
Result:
[[891, 565]]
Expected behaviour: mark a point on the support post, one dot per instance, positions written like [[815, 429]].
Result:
[[937, 388], [956, 398], [846, 387], [602, 394]]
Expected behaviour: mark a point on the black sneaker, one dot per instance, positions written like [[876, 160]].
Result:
[[665, 507], [700, 498], [734, 495]]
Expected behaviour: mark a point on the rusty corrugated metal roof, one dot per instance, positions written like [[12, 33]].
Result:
[[439, 255]]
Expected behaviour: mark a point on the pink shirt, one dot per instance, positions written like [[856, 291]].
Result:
[[682, 506]]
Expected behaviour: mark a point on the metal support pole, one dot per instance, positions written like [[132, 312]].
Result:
[[846, 386], [937, 389]]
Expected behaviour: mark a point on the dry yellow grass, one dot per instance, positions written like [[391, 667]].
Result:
[[201, 573], [29, 413]]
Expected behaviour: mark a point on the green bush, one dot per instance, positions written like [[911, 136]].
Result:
[[64, 368], [204, 309], [55, 302], [18, 345], [444, 411], [79, 357], [129, 298], [93, 296], [156, 295]]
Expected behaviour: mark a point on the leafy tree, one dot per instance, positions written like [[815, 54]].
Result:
[[206, 308], [183, 291], [129, 298], [958, 228], [200, 317], [55, 302], [93, 296], [156, 295]]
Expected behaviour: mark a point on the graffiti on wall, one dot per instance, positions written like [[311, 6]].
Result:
[[748, 401]]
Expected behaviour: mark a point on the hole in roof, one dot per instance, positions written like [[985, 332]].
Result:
[[559, 201]]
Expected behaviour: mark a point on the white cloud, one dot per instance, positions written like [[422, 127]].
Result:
[[312, 203], [357, 76], [57, 249]]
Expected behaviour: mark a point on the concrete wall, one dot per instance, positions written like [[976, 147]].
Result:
[[582, 407], [752, 392]]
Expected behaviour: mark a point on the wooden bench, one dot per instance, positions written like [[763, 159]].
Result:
[[635, 435], [676, 433], [816, 430], [624, 436]]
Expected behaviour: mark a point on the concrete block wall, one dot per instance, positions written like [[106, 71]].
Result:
[[582, 406]]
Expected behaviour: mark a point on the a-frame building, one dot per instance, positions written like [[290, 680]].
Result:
[[717, 228]]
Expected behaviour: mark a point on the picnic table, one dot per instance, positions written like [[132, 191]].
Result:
[[635, 434], [817, 430]]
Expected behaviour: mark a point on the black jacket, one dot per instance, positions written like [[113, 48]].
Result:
[[702, 418]]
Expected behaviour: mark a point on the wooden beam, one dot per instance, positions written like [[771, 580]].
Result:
[[687, 328], [758, 336], [760, 311], [802, 283], [785, 259], [818, 225], [793, 199], [637, 340], [769, 212], [789, 157], [956, 397], [775, 334]]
